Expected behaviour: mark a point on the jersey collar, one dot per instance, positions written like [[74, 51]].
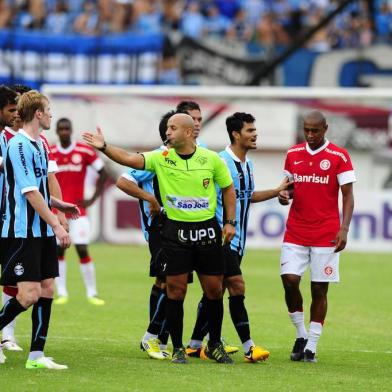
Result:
[[314, 152], [66, 150], [25, 134], [235, 158], [10, 130]]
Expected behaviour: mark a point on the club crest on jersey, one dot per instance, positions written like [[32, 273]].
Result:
[[19, 270], [206, 182], [201, 160], [325, 164], [76, 158], [328, 270]]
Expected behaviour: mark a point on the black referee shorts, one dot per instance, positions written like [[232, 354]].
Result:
[[191, 246], [232, 261], [28, 260]]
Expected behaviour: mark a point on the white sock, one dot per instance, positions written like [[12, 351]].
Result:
[[298, 320], [163, 346], [35, 355], [88, 274], [8, 332], [315, 330], [195, 343], [247, 345], [61, 281], [149, 335]]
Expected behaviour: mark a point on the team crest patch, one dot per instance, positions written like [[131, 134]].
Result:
[[19, 270], [201, 160], [325, 164], [76, 158], [206, 182], [328, 270]]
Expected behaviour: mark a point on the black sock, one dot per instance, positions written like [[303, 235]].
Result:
[[175, 320], [40, 317], [239, 315], [163, 335], [10, 310], [159, 316], [215, 318], [201, 326], [154, 297]]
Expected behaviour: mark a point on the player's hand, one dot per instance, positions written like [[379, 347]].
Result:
[[155, 207], [284, 197], [62, 236], [340, 240], [86, 202], [95, 140], [228, 233], [63, 221], [69, 208], [286, 184]]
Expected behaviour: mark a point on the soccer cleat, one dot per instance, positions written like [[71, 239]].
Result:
[[179, 356], [151, 346], [96, 301], [61, 300], [10, 345], [2, 356], [309, 356], [297, 353], [44, 363], [256, 354], [228, 348], [193, 352], [217, 353], [166, 353]]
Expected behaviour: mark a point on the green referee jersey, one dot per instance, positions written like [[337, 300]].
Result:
[[187, 186]]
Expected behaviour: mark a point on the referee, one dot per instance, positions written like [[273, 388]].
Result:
[[191, 237]]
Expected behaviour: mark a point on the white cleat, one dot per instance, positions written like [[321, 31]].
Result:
[[2, 356], [10, 345], [44, 363]]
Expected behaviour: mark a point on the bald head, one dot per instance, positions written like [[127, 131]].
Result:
[[182, 120], [315, 117]]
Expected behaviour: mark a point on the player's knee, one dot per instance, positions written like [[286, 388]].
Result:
[[29, 297], [290, 283], [235, 285], [176, 291], [213, 291]]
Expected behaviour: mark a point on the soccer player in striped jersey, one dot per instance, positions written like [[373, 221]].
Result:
[[143, 185], [10, 129], [29, 227], [243, 136]]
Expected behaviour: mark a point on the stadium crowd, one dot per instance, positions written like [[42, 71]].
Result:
[[257, 23]]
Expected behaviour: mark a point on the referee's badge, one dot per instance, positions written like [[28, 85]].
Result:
[[206, 182], [19, 270]]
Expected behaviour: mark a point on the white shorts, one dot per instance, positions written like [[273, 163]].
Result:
[[323, 262], [79, 230]]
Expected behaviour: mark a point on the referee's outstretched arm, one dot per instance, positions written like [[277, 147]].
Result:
[[116, 154]]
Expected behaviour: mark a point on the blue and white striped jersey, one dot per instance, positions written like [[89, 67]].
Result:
[[242, 174], [2, 184], [26, 169], [148, 182]]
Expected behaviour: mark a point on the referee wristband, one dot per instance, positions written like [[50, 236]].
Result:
[[103, 148]]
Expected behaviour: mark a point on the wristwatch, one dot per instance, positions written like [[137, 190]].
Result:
[[230, 222], [103, 148]]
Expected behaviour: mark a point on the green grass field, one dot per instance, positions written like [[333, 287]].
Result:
[[101, 345]]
